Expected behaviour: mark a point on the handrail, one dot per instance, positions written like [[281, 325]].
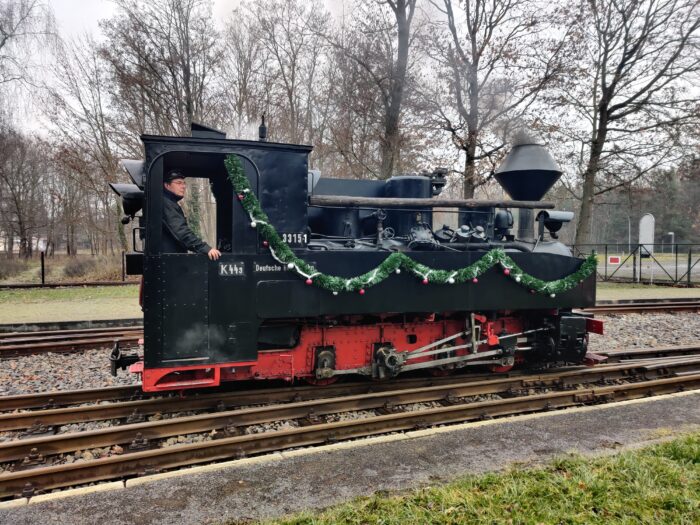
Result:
[[387, 202]]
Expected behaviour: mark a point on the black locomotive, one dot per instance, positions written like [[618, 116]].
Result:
[[323, 277]]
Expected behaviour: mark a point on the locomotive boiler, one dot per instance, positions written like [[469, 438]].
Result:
[[322, 278]]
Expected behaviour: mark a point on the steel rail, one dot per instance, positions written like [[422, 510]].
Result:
[[18, 350], [118, 466], [645, 306], [138, 409], [87, 332], [41, 421], [16, 344], [31, 340], [636, 353], [62, 398], [57, 398], [234, 419]]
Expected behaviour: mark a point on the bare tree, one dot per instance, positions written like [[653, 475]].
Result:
[[632, 91], [243, 80], [22, 170], [378, 39], [293, 58], [496, 57], [89, 140], [163, 56], [22, 23]]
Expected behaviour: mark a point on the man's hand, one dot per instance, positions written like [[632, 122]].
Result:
[[214, 254]]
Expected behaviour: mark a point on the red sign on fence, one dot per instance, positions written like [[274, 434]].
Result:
[[614, 259]]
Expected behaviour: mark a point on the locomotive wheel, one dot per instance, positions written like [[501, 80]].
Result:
[[501, 369], [321, 382]]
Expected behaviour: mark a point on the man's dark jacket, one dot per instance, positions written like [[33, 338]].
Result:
[[177, 235]]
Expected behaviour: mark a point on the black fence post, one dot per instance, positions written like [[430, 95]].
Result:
[[675, 250], [690, 264], [634, 266], [123, 266], [43, 269], [606, 263]]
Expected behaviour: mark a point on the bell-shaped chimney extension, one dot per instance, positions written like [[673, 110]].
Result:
[[527, 173]]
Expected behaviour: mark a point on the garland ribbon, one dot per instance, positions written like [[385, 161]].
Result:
[[394, 263]]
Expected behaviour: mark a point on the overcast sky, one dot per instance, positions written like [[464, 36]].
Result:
[[78, 16]]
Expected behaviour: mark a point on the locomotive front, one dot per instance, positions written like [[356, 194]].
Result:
[[321, 278]]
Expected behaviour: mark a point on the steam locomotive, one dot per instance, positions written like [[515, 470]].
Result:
[[321, 278]]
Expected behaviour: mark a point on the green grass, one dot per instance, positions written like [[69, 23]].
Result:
[[35, 295], [616, 291], [657, 485], [69, 304]]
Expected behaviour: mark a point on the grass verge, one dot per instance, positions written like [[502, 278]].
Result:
[[617, 291], [69, 304], [656, 485]]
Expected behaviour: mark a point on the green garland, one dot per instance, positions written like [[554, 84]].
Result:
[[394, 263]]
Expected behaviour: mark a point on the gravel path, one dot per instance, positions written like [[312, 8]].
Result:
[[90, 369]]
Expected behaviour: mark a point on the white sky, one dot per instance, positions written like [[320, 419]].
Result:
[[75, 17]]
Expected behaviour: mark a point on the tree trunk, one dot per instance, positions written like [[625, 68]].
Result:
[[392, 141], [389, 152], [468, 186], [584, 231]]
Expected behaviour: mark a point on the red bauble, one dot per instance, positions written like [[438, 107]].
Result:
[[241, 196], [362, 291], [532, 291], [425, 281], [506, 271], [309, 281], [475, 280], [266, 244]]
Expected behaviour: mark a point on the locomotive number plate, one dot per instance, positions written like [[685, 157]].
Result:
[[296, 239], [232, 269]]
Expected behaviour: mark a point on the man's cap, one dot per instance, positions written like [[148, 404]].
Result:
[[172, 175]]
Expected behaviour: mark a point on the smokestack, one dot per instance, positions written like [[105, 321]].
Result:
[[527, 173], [262, 130]]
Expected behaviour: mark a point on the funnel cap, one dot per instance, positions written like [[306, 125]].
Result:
[[528, 171]]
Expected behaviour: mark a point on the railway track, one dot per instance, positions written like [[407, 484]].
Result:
[[646, 306], [252, 392], [228, 426], [15, 344]]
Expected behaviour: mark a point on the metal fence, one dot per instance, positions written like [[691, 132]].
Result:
[[676, 264], [63, 270]]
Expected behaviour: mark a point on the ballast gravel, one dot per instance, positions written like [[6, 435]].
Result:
[[59, 371], [90, 368]]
